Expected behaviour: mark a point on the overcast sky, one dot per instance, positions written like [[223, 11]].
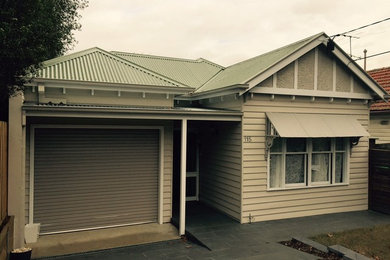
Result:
[[230, 31]]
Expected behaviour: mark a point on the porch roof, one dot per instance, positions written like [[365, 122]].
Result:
[[130, 112]]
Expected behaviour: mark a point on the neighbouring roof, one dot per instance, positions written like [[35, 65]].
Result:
[[242, 72], [192, 73], [97, 65], [382, 76]]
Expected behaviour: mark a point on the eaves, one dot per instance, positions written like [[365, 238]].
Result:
[[106, 86]]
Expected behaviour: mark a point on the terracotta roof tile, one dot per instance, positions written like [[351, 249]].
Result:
[[382, 76]]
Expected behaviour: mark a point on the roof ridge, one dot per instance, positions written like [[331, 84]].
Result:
[[282, 47], [210, 63], [210, 79], [153, 56], [154, 72], [307, 40], [71, 56], [379, 70]]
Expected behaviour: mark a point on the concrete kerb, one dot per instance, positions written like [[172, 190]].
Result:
[[347, 254], [344, 252]]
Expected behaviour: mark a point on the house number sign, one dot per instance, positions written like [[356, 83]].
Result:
[[247, 139]]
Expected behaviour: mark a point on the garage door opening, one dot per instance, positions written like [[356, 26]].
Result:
[[89, 178]]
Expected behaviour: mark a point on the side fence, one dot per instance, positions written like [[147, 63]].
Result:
[[6, 224], [379, 179]]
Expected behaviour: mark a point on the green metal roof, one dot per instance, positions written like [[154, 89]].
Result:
[[242, 72], [97, 65], [192, 73]]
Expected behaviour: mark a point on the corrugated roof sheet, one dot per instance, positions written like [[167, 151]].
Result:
[[382, 76], [242, 72], [97, 65], [192, 73]]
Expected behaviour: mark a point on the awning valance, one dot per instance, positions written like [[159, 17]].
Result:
[[316, 125]]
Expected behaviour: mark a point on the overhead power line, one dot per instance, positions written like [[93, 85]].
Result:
[[373, 55], [361, 27]]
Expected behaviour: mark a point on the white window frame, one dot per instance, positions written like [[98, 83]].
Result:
[[331, 154], [308, 164], [305, 168]]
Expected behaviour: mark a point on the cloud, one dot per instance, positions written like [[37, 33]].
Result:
[[224, 31]]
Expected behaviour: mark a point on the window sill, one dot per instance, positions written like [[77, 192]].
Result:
[[308, 187]]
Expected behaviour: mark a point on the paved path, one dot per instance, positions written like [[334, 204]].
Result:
[[228, 239]]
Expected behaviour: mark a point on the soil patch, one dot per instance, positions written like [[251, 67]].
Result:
[[310, 250]]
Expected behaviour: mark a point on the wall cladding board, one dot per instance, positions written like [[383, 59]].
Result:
[[380, 128], [306, 71], [220, 168], [267, 205]]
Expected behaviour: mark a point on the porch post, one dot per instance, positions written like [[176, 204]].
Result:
[[183, 169]]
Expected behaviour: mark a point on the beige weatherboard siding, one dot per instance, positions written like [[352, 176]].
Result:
[[380, 127], [261, 204], [220, 171]]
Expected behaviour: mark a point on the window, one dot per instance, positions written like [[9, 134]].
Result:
[[307, 162]]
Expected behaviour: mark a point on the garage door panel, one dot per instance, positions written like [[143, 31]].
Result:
[[89, 178]]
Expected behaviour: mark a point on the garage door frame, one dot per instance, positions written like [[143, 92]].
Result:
[[160, 173]]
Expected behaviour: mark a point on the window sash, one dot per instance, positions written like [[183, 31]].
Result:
[[308, 159]]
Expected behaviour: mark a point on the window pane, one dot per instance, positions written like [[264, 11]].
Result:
[[339, 174], [321, 144], [275, 171], [277, 145], [320, 167], [295, 168], [296, 145], [340, 144]]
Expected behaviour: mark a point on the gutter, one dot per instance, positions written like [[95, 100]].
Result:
[[234, 89], [131, 113], [106, 86]]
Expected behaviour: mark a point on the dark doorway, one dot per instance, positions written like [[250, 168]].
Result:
[[192, 170]]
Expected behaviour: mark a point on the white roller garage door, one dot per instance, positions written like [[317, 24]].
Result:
[[91, 178]]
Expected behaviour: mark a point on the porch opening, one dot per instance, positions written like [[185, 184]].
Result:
[[213, 170]]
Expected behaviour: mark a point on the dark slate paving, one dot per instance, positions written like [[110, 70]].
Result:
[[229, 239]]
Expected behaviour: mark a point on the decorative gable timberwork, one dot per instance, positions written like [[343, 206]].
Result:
[[318, 73]]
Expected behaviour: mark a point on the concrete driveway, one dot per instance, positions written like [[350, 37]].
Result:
[[227, 239]]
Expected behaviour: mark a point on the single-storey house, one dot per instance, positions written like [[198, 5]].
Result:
[[380, 110], [103, 139]]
